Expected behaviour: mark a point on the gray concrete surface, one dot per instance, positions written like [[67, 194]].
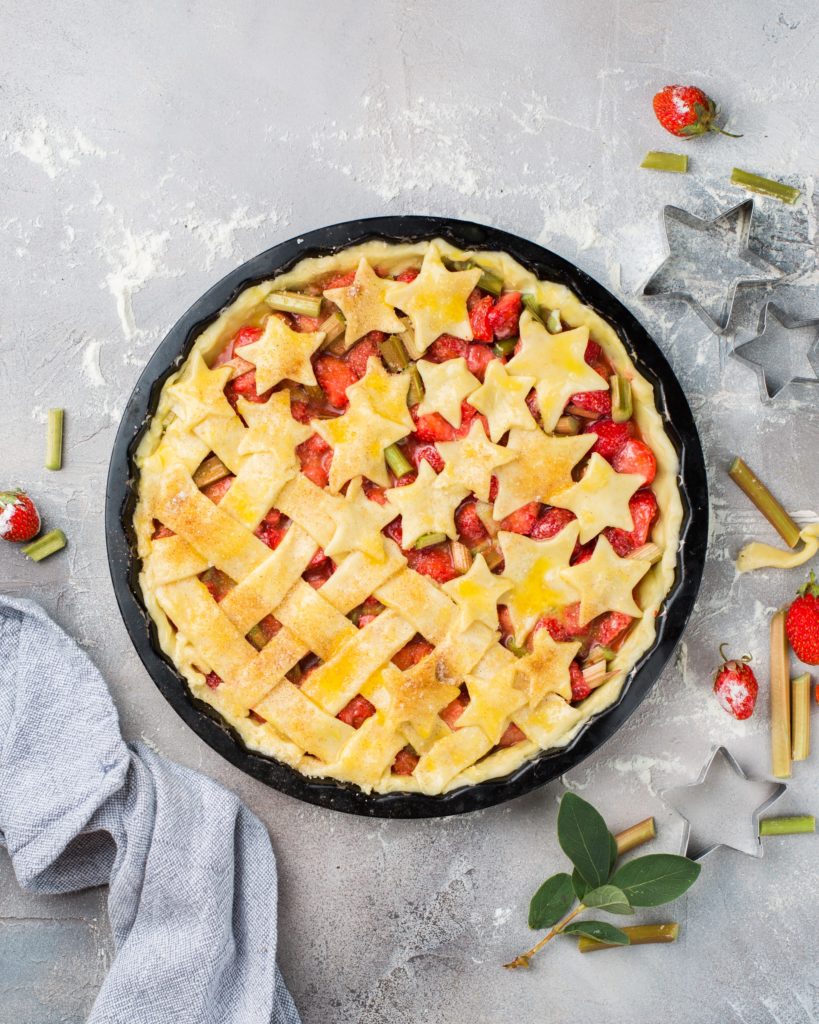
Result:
[[147, 149]]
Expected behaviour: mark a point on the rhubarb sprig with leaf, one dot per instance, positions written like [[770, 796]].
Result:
[[597, 883]]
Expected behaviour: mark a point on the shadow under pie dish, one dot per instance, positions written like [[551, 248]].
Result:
[[387, 528]]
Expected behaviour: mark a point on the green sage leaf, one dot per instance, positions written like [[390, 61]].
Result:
[[552, 901], [608, 898], [612, 853], [584, 839], [655, 879], [579, 886], [599, 930]]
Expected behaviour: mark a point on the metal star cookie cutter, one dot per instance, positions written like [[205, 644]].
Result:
[[708, 261], [722, 808], [782, 353]]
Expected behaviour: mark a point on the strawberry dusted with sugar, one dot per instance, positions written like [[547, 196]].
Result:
[[686, 111], [736, 687], [19, 518]]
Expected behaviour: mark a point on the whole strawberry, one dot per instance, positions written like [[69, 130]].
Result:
[[802, 623], [19, 518], [685, 111], [736, 687]]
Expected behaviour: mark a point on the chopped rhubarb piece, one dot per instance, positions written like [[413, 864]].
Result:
[[504, 315], [218, 583], [432, 427], [435, 562], [412, 652], [212, 680], [479, 318], [418, 450], [356, 712], [636, 457], [522, 520], [217, 490], [608, 627], [272, 528], [334, 377], [315, 456], [363, 349], [593, 401], [408, 275], [550, 523], [406, 759], [445, 347], [470, 528], [511, 736], [478, 357], [580, 688], [611, 436], [644, 509], [453, 711]]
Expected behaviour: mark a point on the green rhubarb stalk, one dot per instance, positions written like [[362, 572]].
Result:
[[621, 404], [489, 282], [54, 440], [44, 546], [505, 347], [334, 326], [209, 471], [657, 160], [531, 303], [293, 302], [553, 322], [426, 540], [567, 425], [767, 504], [765, 186], [800, 718], [798, 824], [636, 835], [639, 935], [415, 392], [397, 461], [394, 354]]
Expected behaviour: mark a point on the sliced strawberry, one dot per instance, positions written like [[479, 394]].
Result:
[[478, 357], [493, 487], [418, 450], [522, 520], [319, 558], [479, 318], [334, 377], [593, 401], [245, 386], [356, 712], [272, 528], [315, 457], [246, 336], [218, 583], [533, 405], [512, 735], [306, 324], [445, 347], [406, 759], [597, 361], [550, 523], [582, 552], [394, 532], [435, 562], [412, 652], [218, 489], [453, 711], [374, 492], [432, 427], [611, 436], [470, 528], [505, 621], [363, 349], [339, 281], [365, 620], [504, 315], [407, 275], [636, 457], [580, 688], [644, 510], [608, 627], [566, 627], [161, 531], [318, 577]]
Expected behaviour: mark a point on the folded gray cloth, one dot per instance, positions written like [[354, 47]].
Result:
[[192, 876]]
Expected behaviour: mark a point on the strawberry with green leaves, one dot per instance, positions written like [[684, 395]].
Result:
[[686, 111], [19, 518], [802, 622]]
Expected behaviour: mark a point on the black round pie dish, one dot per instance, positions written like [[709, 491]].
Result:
[[121, 499]]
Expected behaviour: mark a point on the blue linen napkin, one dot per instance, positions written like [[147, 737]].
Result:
[[192, 876]]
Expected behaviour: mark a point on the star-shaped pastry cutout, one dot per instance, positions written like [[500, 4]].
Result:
[[364, 305], [546, 668], [418, 694], [502, 399], [477, 593], [358, 524], [358, 439], [543, 467], [600, 498], [383, 394], [446, 385], [436, 300], [492, 702], [427, 505], [536, 569], [606, 582], [708, 261], [784, 351], [282, 354], [200, 393], [473, 459], [557, 362], [271, 428]]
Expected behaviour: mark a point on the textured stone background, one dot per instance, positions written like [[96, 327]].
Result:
[[147, 149]]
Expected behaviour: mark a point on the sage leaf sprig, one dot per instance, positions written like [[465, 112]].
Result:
[[597, 883]]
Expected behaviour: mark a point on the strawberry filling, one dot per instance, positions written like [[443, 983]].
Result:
[[356, 712]]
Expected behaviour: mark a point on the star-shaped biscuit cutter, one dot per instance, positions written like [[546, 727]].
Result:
[[784, 352], [708, 262], [723, 807]]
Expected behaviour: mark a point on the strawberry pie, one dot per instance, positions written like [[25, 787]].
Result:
[[406, 516]]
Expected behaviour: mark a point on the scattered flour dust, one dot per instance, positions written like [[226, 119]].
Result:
[[134, 259], [91, 365], [52, 149], [218, 236], [501, 916]]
